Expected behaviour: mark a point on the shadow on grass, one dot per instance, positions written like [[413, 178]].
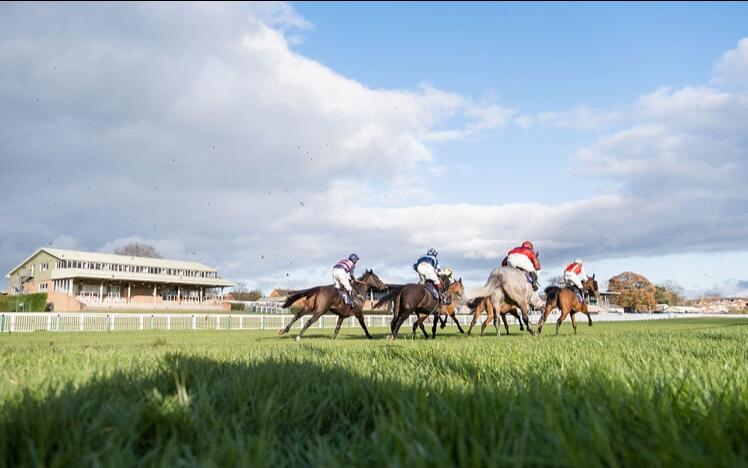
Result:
[[193, 410]]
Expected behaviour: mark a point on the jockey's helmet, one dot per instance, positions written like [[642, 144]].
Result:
[[353, 258], [431, 252], [528, 245]]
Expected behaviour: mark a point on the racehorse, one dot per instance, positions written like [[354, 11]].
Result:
[[483, 304], [508, 284], [568, 303], [415, 298], [322, 299]]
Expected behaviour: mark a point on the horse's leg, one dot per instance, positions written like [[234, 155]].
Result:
[[472, 324], [587, 313], [433, 328], [419, 323], [564, 312], [457, 322], [401, 318], [337, 326], [546, 312], [526, 318], [506, 325], [519, 319], [317, 314], [362, 322], [296, 317], [443, 320], [574, 321]]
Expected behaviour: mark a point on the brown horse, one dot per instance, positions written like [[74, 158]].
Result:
[[322, 299], [415, 298], [568, 303], [450, 310], [484, 304]]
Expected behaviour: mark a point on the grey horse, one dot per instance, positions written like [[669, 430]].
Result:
[[508, 284]]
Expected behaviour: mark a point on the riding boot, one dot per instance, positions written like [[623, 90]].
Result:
[[535, 284]]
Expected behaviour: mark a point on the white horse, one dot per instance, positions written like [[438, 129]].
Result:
[[508, 284]]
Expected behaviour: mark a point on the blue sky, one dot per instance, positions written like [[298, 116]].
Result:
[[271, 139]]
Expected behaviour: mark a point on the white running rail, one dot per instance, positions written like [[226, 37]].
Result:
[[84, 322]]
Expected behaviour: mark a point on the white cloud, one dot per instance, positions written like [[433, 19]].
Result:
[[733, 65]]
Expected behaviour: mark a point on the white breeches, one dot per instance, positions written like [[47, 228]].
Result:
[[428, 272], [342, 279], [571, 278], [520, 261]]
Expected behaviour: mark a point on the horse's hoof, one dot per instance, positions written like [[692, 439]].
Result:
[[281, 332], [298, 338]]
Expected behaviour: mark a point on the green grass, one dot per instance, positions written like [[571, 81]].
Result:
[[668, 393]]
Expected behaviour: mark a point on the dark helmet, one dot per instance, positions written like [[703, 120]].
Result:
[[353, 258], [431, 252], [528, 245]]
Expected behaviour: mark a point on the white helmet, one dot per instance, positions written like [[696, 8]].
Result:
[[579, 261]]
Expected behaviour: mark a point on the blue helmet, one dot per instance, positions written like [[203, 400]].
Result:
[[353, 258], [431, 252]]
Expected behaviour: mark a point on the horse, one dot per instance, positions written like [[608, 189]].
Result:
[[415, 298], [568, 303], [449, 310], [508, 284], [483, 304], [322, 299]]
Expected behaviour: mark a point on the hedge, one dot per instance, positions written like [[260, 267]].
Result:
[[24, 302]]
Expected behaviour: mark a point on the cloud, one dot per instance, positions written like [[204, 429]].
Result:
[[733, 65]]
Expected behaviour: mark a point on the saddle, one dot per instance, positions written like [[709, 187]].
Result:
[[431, 288], [346, 298], [578, 293]]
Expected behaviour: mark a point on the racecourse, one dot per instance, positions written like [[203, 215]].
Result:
[[662, 393]]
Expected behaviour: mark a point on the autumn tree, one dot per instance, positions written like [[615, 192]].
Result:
[[635, 291], [241, 293], [137, 249]]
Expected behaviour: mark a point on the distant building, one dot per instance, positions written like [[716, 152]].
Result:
[[721, 305], [75, 280]]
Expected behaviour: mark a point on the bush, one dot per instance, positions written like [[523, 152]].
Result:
[[237, 306], [24, 302]]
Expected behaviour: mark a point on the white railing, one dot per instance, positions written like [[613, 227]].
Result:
[[78, 322]]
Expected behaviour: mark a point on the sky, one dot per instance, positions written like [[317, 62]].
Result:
[[269, 140]]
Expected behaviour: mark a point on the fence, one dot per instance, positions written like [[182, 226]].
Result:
[[84, 322]]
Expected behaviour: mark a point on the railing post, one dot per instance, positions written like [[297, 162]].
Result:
[[229, 322], [12, 323], [218, 322], [168, 322], [80, 323], [49, 322], [59, 319], [106, 323], [2, 323], [241, 322], [193, 322], [142, 319]]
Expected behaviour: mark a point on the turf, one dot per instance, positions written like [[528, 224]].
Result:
[[666, 393]]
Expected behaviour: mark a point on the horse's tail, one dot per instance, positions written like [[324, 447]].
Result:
[[474, 302], [304, 293], [392, 295], [551, 295]]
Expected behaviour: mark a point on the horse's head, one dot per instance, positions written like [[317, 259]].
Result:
[[590, 285], [457, 290], [372, 280]]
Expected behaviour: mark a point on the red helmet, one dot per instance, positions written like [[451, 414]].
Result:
[[528, 245]]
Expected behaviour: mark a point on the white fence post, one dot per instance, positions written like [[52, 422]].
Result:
[[142, 319], [241, 322], [80, 322], [194, 320], [49, 323]]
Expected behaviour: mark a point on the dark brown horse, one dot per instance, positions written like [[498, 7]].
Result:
[[322, 299], [568, 303], [484, 304], [415, 298]]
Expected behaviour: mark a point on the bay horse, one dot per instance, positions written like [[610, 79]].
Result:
[[322, 299], [565, 300], [483, 304], [415, 298]]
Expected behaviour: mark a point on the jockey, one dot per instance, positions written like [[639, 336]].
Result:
[[526, 259], [428, 270], [342, 275], [573, 275]]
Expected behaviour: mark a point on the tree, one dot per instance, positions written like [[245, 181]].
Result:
[[241, 294], [635, 291], [669, 293], [137, 249]]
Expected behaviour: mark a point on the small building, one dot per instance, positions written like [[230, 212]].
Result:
[[74, 280]]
